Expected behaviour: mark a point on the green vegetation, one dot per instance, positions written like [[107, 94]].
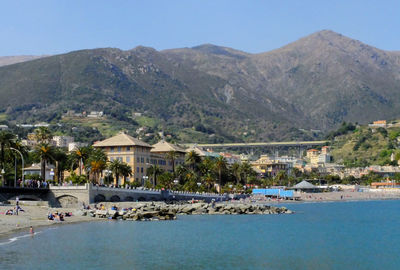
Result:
[[365, 146]]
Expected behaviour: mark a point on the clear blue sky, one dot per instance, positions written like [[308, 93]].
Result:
[[50, 27]]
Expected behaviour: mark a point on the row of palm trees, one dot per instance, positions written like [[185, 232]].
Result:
[[202, 174], [90, 163]]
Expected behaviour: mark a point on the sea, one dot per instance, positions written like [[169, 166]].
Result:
[[338, 235]]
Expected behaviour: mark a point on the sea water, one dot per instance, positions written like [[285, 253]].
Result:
[[343, 235]]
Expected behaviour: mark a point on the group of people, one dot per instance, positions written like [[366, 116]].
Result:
[[31, 183], [58, 216]]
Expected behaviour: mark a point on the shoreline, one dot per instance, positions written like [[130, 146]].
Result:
[[36, 216]]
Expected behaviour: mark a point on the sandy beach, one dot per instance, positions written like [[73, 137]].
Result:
[[35, 216]]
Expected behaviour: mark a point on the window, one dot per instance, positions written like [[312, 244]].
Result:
[[120, 158], [111, 159], [138, 159], [111, 149], [128, 159], [142, 159], [147, 160], [137, 169], [128, 148], [119, 149], [141, 170]]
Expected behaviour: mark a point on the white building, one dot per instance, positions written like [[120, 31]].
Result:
[[62, 141]]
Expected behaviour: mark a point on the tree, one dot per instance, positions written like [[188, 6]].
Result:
[[116, 167], [166, 180], [247, 171], [209, 181], [43, 135], [192, 159], [280, 176], [7, 140], [62, 163], [154, 170], [172, 156], [236, 171], [220, 166], [126, 171], [79, 156], [96, 163], [45, 152]]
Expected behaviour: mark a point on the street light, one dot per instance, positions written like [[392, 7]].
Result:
[[22, 168], [2, 175], [144, 179]]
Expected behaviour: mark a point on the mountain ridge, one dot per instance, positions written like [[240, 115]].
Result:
[[215, 93]]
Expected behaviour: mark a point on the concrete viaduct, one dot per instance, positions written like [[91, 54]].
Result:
[[71, 196]]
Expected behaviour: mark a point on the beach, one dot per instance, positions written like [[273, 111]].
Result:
[[35, 216]]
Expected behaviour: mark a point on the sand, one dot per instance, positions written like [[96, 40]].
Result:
[[35, 216]]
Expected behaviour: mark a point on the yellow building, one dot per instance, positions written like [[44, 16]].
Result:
[[269, 167], [159, 155], [313, 156], [129, 150]]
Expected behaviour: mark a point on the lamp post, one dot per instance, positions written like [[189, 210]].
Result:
[[22, 168], [144, 179], [2, 175]]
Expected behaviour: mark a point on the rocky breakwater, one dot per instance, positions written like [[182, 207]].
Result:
[[162, 211]]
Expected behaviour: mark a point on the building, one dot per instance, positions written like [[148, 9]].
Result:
[[379, 123], [159, 152], [95, 114], [35, 169], [269, 167], [130, 150], [62, 141], [231, 158], [318, 157]]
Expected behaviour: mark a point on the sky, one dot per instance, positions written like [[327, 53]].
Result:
[[50, 27]]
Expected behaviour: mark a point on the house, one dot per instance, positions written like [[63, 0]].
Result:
[[269, 167], [35, 169], [379, 123], [159, 152], [62, 141], [95, 114], [130, 150]]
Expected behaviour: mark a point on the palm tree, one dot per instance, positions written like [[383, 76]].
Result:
[[220, 165], [192, 159], [96, 163], [236, 171], [172, 156], [45, 152], [62, 163], [7, 140], [206, 166], [116, 167], [43, 135], [180, 173], [154, 170], [79, 156], [126, 171], [247, 170], [209, 180]]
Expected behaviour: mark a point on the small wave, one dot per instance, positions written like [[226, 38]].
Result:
[[13, 239]]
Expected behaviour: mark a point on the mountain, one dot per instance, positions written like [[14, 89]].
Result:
[[212, 93], [9, 60]]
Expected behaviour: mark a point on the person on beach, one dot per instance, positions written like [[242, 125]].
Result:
[[31, 230], [17, 200]]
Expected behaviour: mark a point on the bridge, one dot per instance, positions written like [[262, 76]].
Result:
[[73, 196], [260, 144]]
